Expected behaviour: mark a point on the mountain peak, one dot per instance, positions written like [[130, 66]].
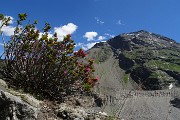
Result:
[[142, 38], [142, 31]]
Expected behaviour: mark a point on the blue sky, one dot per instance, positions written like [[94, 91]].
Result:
[[92, 21]]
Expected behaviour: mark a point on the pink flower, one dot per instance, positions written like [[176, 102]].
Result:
[[83, 53], [65, 72], [75, 53], [87, 69], [80, 53], [92, 59], [96, 78]]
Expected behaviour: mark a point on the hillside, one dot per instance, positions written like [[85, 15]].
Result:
[[137, 60], [136, 71]]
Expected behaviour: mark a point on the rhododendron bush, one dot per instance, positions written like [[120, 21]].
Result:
[[43, 65]]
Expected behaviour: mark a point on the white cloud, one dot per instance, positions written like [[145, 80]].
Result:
[[11, 21], [109, 35], [98, 20], [90, 35], [119, 22], [89, 45], [101, 37], [64, 30], [61, 31], [79, 44], [8, 30], [86, 46], [50, 34]]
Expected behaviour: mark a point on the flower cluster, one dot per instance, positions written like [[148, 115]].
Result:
[[81, 53], [88, 69], [92, 81]]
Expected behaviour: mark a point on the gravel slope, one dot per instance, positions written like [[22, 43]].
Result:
[[142, 105], [149, 108]]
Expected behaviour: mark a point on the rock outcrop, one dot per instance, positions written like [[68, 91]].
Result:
[[14, 108]]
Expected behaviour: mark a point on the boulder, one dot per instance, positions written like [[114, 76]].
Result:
[[14, 108]]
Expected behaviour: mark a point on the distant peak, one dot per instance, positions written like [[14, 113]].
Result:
[[142, 38], [141, 31]]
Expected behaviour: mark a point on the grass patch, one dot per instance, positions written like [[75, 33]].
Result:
[[130, 54], [157, 74], [96, 61], [163, 65], [126, 78], [139, 53]]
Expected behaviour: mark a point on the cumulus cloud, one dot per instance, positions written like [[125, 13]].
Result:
[[61, 31], [12, 19], [90, 35], [10, 22], [86, 46], [50, 34], [98, 20], [8, 30], [64, 30], [101, 37]]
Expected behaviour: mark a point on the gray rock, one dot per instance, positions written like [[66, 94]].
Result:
[[3, 85], [13, 108]]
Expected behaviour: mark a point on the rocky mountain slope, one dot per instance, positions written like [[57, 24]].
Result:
[[137, 60]]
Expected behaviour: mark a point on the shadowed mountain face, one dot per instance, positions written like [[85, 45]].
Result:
[[137, 60]]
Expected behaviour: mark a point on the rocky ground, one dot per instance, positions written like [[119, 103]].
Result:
[[114, 104]]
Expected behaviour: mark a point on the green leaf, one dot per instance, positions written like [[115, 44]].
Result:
[[35, 22], [22, 16], [1, 16]]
